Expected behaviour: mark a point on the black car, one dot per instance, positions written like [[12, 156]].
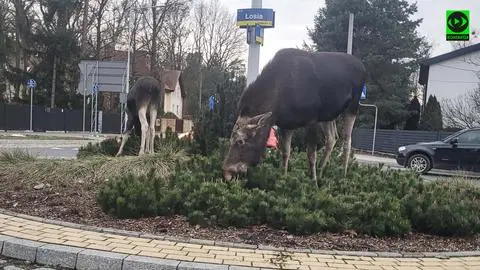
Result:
[[459, 151]]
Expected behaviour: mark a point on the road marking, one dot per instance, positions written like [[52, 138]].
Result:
[[75, 149], [56, 148]]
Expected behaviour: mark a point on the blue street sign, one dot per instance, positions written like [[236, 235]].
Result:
[[211, 102], [95, 88], [259, 34], [265, 17], [363, 96], [31, 83]]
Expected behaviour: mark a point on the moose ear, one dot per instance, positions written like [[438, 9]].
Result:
[[264, 118]]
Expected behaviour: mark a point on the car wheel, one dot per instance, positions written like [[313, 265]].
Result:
[[419, 163]]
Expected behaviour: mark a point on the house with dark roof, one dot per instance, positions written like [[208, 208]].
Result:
[[451, 75], [174, 92]]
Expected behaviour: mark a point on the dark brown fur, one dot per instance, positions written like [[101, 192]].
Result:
[[143, 103], [295, 89]]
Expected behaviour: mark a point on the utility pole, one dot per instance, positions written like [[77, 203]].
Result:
[[54, 82], [253, 51], [349, 51], [350, 34]]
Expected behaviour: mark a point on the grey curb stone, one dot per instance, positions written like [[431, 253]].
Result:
[[3, 238], [95, 259], [201, 266], [133, 262], [20, 249], [390, 254], [202, 242], [242, 268], [152, 236], [57, 255]]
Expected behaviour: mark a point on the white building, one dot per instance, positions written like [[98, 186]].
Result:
[[174, 92], [450, 75]]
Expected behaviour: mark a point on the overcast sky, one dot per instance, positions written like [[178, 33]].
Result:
[[292, 17]]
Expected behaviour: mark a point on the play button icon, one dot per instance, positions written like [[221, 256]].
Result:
[[457, 22]]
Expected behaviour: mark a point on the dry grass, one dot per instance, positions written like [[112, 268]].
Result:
[[20, 167]]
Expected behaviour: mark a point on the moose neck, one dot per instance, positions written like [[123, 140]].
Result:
[[259, 96]]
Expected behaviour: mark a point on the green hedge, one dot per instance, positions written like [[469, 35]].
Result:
[[370, 200], [109, 147]]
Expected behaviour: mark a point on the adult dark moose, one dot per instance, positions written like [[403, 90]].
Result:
[[143, 103], [297, 89]]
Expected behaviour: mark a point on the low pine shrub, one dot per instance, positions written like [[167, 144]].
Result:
[[370, 200], [109, 147]]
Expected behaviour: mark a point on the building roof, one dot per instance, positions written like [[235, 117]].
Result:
[[425, 65], [452, 54], [171, 78]]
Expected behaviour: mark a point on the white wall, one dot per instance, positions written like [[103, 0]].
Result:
[[173, 102], [454, 77]]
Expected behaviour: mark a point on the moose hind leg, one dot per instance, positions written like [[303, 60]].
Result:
[[153, 118], [125, 136], [347, 143], [142, 115], [311, 139], [286, 147], [329, 130]]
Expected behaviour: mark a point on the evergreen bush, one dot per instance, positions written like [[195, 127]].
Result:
[[370, 200], [109, 147]]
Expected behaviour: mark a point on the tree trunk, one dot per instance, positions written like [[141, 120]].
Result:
[[153, 54], [98, 45], [54, 81], [84, 27]]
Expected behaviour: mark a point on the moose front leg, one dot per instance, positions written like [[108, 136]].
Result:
[[286, 147], [329, 129]]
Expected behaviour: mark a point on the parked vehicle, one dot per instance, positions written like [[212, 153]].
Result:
[[459, 151]]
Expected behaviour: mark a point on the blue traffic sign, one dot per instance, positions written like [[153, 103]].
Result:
[[95, 88], [211, 102], [265, 17], [31, 83], [258, 35], [363, 96]]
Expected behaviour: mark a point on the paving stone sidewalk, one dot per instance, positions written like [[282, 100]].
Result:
[[45, 243]]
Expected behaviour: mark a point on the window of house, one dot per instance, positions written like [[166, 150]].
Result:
[[177, 109]]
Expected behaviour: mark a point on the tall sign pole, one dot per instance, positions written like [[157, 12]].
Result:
[[350, 34], [255, 19], [253, 51], [363, 95], [129, 48], [31, 84]]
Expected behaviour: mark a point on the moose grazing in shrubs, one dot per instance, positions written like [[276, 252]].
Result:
[[143, 102], [297, 89]]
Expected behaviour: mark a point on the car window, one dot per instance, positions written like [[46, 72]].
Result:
[[470, 137], [453, 135]]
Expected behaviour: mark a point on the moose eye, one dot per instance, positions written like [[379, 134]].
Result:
[[241, 142]]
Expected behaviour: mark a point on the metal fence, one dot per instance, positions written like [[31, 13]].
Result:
[[17, 117], [388, 141]]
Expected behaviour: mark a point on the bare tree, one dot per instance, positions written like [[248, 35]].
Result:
[[175, 37], [218, 38], [154, 16], [462, 44], [464, 111]]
